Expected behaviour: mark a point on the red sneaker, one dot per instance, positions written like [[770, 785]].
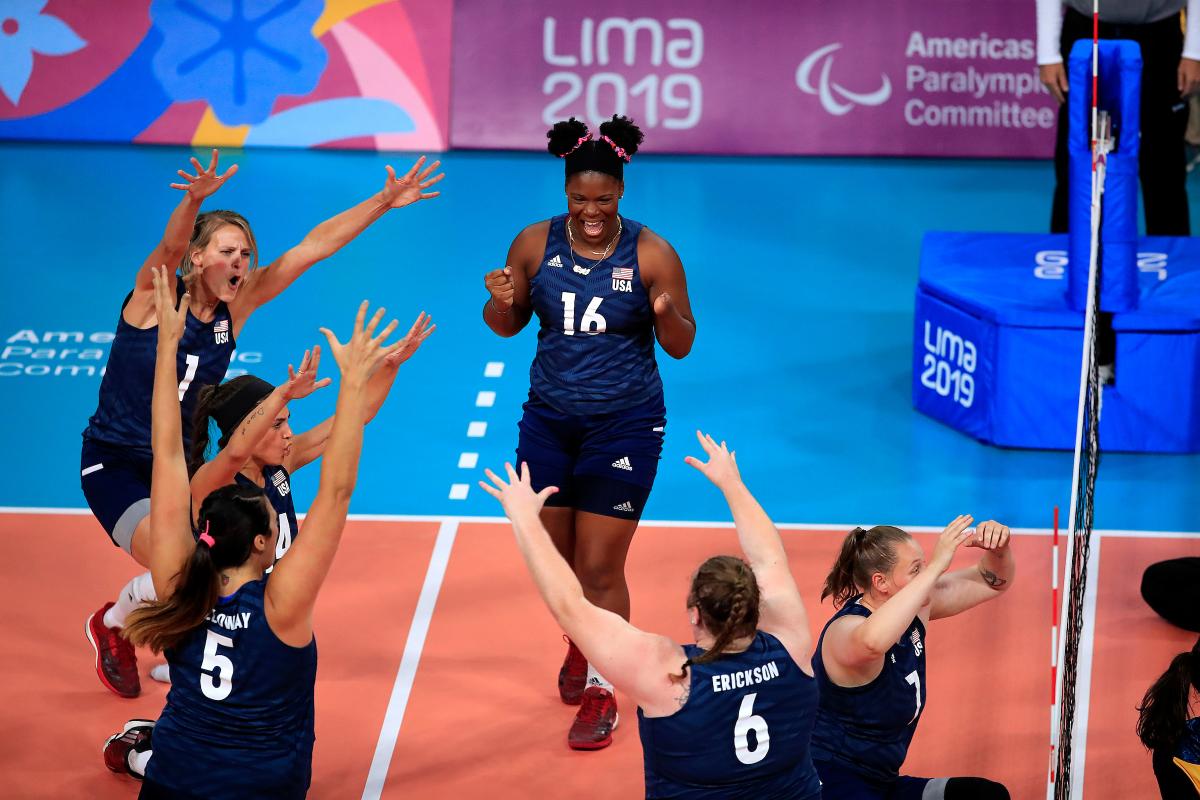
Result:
[[116, 662], [572, 675], [595, 722], [135, 736]]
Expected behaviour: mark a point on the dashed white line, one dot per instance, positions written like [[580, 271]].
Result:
[[468, 460], [494, 369], [458, 491], [477, 430], [485, 399]]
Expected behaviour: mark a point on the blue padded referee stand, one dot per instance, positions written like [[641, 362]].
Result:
[[998, 324]]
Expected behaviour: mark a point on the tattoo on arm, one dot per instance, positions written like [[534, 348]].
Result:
[[258, 412], [992, 579], [685, 690]]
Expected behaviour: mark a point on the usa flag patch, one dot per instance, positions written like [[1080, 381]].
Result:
[[221, 327], [622, 273]]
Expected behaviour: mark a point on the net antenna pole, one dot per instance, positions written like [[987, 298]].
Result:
[[1062, 717]]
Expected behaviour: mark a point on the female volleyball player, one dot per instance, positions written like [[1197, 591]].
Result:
[[870, 659], [1169, 728], [603, 287], [748, 674], [257, 447], [216, 252], [239, 717]]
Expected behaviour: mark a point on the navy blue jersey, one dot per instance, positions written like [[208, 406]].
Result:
[[743, 732], [595, 349], [123, 414], [239, 716], [278, 488], [867, 729]]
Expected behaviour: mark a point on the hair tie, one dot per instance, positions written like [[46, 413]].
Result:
[[205, 536], [620, 151], [578, 144]]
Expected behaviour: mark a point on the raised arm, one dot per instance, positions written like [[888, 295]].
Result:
[[957, 591], [310, 445], [858, 643], [171, 249], [638, 663], [171, 541], [781, 610], [674, 325], [230, 459], [333, 234], [508, 309], [292, 590]]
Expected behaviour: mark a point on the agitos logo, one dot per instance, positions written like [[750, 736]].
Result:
[[826, 89]]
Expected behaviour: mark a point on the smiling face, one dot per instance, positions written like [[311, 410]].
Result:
[[221, 264], [592, 203]]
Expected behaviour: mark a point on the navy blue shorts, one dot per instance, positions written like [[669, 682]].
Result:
[[839, 782], [116, 484], [601, 463]]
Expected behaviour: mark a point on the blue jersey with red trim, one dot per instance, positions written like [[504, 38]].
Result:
[[595, 351]]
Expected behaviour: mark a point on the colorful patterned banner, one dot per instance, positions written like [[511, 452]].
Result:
[[911, 77], [369, 74]]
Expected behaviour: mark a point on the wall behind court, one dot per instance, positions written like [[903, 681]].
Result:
[[878, 77]]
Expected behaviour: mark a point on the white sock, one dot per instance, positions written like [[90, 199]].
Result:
[[594, 678], [136, 594], [137, 761]]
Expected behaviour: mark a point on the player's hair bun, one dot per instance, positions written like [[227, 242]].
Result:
[[623, 132], [564, 136]]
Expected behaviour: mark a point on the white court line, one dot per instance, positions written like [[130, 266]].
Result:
[[658, 523], [398, 702]]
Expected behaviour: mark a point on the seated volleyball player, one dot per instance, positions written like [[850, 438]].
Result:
[[257, 446], [217, 258], [748, 674], [239, 717], [870, 659], [1170, 728]]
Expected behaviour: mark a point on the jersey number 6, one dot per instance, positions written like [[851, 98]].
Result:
[[592, 322], [749, 721]]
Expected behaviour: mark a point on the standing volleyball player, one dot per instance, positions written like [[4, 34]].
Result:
[[216, 254], [603, 288], [870, 660], [257, 446], [239, 717], [731, 715]]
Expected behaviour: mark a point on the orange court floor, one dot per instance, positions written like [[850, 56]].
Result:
[[437, 666]]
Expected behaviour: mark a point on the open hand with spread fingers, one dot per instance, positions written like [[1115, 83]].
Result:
[[989, 535], [303, 383], [206, 181], [400, 192], [516, 494], [363, 351], [412, 341], [954, 535], [172, 318], [721, 467]]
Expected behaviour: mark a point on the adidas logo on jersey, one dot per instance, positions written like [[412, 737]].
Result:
[[916, 642], [281, 483], [555, 262], [623, 463], [627, 507]]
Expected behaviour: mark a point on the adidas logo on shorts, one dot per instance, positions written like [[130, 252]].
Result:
[[555, 262], [626, 507], [623, 463]]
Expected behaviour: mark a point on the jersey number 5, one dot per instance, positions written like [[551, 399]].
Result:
[[592, 322], [749, 721], [216, 686]]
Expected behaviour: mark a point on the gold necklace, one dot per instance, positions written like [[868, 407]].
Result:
[[603, 255]]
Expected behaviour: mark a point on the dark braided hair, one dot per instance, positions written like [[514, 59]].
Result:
[[725, 593]]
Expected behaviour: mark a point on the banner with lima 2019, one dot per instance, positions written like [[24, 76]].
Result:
[[878, 77]]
